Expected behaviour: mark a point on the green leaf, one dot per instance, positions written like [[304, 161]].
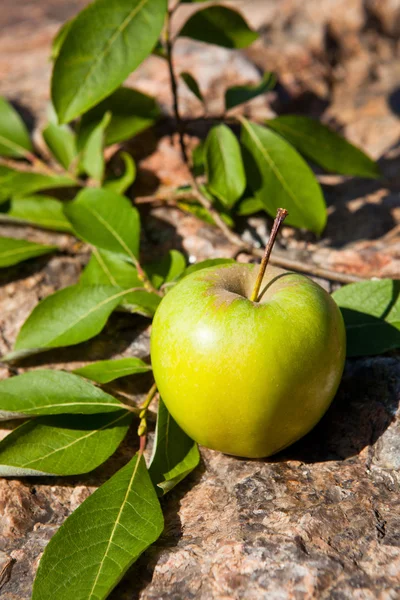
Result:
[[97, 544], [21, 183], [204, 264], [371, 312], [106, 220], [46, 392], [67, 317], [59, 39], [202, 213], [62, 444], [105, 371], [167, 269], [192, 85], [239, 94], [105, 43], [119, 185], [224, 165], [14, 137], [39, 210], [61, 141], [107, 268], [194, 208], [92, 153], [132, 112], [221, 26], [249, 206], [175, 454], [14, 251], [324, 147], [279, 177], [143, 303]]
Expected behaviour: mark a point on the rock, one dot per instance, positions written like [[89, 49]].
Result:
[[386, 13], [322, 519]]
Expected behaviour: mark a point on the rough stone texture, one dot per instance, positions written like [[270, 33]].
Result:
[[321, 520]]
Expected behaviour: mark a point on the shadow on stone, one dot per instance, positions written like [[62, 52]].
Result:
[[362, 411], [25, 269], [158, 237], [370, 221], [394, 101]]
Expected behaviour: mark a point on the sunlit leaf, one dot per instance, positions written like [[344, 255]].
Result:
[[92, 160], [142, 302], [47, 392], [107, 268], [21, 183], [221, 26], [239, 94], [224, 165], [42, 211], [249, 206], [167, 269], [61, 142], [119, 185], [175, 454], [14, 137], [323, 146], [279, 177], [132, 112], [194, 208], [59, 39], [371, 312], [106, 220], [67, 317], [100, 540], [62, 444], [106, 42], [105, 371], [14, 251]]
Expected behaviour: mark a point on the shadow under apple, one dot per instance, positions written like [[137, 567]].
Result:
[[363, 409]]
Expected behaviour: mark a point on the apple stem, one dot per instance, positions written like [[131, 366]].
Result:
[[281, 215]]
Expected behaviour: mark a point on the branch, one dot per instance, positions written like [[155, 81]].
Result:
[[35, 166], [174, 88], [230, 235]]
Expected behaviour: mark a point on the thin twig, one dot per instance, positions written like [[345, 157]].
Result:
[[174, 88], [171, 200], [230, 235], [310, 269], [36, 166]]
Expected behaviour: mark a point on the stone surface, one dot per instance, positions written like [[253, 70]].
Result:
[[321, 520]]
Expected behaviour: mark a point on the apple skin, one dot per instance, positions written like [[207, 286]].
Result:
[[247, 378]]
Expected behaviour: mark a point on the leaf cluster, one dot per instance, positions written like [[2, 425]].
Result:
[[69, 424]]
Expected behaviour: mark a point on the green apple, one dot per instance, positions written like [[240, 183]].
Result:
[[246, 377]]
